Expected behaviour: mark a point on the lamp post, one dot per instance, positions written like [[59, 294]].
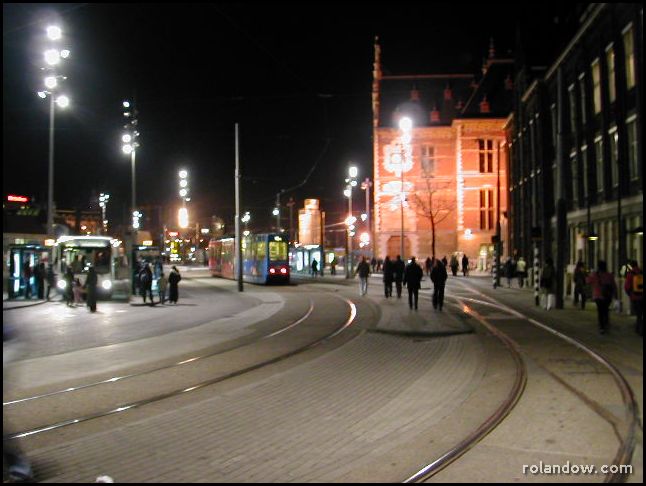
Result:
[[350, 183], [406, 127], [53, 58], [129, 147], [103, 203], [366, 185]]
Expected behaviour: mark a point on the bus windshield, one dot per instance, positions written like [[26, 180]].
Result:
[[80, 257], [277, 250]]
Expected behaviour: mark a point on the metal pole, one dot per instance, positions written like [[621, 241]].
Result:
[[401, 197], [278, 213], [496, 272], [350, 265], [50, 202], [237, 222]]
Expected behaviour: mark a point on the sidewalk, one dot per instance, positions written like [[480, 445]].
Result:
[[8, 304]]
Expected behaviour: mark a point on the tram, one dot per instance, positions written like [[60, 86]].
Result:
[[265, 258], [107, 256]]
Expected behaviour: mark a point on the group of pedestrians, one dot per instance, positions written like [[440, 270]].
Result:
[[409, 276], [145, 280]]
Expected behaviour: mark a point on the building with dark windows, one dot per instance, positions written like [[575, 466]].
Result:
[[575, 156], [443, 186]]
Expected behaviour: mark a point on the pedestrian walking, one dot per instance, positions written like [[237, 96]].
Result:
[[465, 265], [510, 270], [363, 269], [389, 277], [445, 262], [521, 271], [173, 281], [604, 290], [438, 277], [428, 266], [90, 287], [373, 264], [380, 263], [413, 275], [454, 265], [315, 267], [77, 291], [146, 283], [51, 279], [548, 283], [27, 273], [162, 283], [398, 272], [634, 287], [40, 275], [333, 265], [69, 287], [580, 291]]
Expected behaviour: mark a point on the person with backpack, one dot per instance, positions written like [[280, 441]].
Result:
[[634, 287], [604, 290], [413, 275]]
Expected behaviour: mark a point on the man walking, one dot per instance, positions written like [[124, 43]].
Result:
[[465, 265], [363, 269], [146, 282], [438, 277], [51, 279], [413, 275], [398, 271]]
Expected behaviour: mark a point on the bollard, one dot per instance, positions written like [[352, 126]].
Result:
[[537, 279]]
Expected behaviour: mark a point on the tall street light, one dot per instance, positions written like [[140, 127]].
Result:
[[183, 194], [129, 147], [366, 185], [103, 203], [350, 183], [53, 57], [406, 127]]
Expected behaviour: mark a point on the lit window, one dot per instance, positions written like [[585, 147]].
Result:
[[582, 94], [572, 98], [428, 160], [614, 157], [584, 172], [575, 178], [486, 209], [598, 154], [596, 85], [631, 129], [629, 57], [610, 63]]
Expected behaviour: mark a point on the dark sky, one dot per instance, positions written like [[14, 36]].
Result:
[[296, 77]]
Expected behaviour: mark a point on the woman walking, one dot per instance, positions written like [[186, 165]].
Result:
[[173, 281], [604, 290]]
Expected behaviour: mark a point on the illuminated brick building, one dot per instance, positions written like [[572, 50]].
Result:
[[452, 163]]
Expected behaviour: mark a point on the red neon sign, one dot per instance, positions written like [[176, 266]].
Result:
[[13, 198]]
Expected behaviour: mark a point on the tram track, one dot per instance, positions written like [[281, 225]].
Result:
[[631, 423], [208, 362]]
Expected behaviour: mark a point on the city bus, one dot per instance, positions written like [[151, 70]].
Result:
[[104, 253]]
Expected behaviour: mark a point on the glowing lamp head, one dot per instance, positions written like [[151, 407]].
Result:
[[183, 183], [50, 82], [183, 174], [347, 192], [183, 192], [52, 57], [65, 53], [54, 32], [126, 104], [405, 124], [126, 138], [42, 94], [275, 212], [63, 101], [353, 171], [127, 148]]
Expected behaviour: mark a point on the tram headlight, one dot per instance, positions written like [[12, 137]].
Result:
[[61, 284], [107, 285]]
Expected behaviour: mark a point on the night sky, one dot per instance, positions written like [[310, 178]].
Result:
[[296, 77]]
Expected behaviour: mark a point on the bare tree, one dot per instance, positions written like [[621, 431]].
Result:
[[430, 203]]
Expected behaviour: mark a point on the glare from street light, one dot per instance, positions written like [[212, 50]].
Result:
[[183, 174], [65, 53], [126, 138], [353, 171], [42, 94], [183, 183], [405, 124], [347, 192], [275, 212], [127, 148], [52, 56], [63, 101], [54, 32], [50, 82], [126, 104], [183, 192]]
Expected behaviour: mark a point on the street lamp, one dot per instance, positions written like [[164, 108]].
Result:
[[366, 185], [103, 203], [129, 147], [245, 219], [350, 183], [406, 127], [52, 57], [183, 194]]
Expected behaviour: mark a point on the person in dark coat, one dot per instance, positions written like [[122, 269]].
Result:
[[373, 264], [548, 283], [604, 289], [90, 286], [51, 279], [465, 265], [389, 277], [428, 266], [40, 274], [438, 277], [27, 273], [173, 280], [146, 283], [580, 277], [398, 272], [454, 265], [315, 267], [413, 275], [445, 262], [363, 270], [69, 286]]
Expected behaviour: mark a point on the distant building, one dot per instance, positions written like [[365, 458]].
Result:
[[575, 138], [450, 178]]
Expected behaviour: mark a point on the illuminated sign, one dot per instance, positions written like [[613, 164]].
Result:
[[13, 198], [148, 242], [173, 233]]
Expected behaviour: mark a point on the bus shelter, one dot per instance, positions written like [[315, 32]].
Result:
[[19, 257]]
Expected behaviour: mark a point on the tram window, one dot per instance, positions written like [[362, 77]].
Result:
[[261, 252], [277, 250]]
